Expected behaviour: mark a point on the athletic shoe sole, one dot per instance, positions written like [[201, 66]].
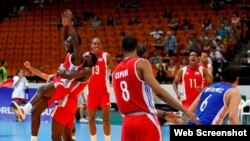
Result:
[[18, 110]]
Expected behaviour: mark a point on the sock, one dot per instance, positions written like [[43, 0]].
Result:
[[27, 108], [74, 137], [33, 138], [107, 137], [93, 137]]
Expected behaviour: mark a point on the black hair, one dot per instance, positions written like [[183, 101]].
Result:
[[93, 58], [18, 71], [203, 52], [194, 52], [2, 62], [140, 51], [122, 34], [129, 43], [230, 74]]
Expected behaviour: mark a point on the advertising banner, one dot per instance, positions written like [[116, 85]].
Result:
[[5, 110]]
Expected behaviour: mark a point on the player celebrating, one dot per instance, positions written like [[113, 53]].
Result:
[[192, 77], [98, 90], [64, 83], [132, 82]]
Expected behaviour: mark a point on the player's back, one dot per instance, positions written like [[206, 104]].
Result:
[[132, 94], [212, 108]]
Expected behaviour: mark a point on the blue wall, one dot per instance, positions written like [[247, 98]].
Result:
[[5, 100]]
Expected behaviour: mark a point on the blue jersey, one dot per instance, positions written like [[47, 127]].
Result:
[[211, 108]]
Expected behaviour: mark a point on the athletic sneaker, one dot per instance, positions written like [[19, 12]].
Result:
[[18, 119], [83, 120], [98, 119], [18, 110], [14, 110]]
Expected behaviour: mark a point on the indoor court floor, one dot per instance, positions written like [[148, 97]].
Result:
[[20, 131]]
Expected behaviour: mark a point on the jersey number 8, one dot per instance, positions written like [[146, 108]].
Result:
[[125, 92]]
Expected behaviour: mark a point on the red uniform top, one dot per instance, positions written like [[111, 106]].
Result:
[[132, 94], [64, 86], [70, 68], [99, 82], [192, 80]]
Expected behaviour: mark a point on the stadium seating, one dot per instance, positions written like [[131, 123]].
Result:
[[36, 31]]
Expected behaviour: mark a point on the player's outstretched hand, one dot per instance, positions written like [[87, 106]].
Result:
[[68, 14], [27, 64], [65, 21], [174, 117], [191, 116]]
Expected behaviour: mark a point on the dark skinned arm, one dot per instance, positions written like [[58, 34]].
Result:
[[86, 72]]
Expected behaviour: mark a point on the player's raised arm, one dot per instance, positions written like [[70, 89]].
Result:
[[65, 28], [76, 40]]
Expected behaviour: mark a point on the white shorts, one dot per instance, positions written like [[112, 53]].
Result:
[[18, 93]]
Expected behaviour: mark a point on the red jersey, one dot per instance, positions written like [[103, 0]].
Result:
[[133, 95], [65, 86], [70, 68], [67, 92], [192, 80], [99, 82]]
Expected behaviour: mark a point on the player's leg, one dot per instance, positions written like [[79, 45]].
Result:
[[106, 122], [73, 133], [105, 104], [85, 113], [62, 124], [68, 130], [44, 91], [36, 116], [19, 101], [57, 130], [59, 119], [81, 112], [67, 134], [81, 109], [92, 125], [92, 106]]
